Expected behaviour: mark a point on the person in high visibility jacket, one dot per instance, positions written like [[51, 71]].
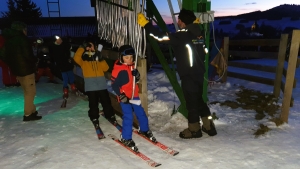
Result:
[[189, 50]]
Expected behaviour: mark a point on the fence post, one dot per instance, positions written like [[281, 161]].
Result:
[[142, 68], [226, 52], [280, 64], [293, 57]]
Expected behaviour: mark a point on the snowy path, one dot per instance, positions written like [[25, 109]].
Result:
[[65, 138]]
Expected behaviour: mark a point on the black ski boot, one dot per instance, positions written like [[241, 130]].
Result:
[[112, 119], [149, 135], [32, 117], [98, 129], [129, 143], [193, 131]]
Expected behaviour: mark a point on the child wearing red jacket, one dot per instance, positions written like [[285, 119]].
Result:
[[122, 83]]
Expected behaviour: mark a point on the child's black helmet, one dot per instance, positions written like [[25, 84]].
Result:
[[126, 50]]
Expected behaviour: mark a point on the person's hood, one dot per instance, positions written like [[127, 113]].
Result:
[[194, 28], [8, 33]]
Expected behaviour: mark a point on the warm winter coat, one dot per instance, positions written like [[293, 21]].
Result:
[[18, 53], [60, 55], [122, 80], [93, 68], [44, 59], [187, 68]]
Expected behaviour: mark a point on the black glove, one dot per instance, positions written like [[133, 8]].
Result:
[[99, 57], [123, 98], [136, 73], [95, 57]]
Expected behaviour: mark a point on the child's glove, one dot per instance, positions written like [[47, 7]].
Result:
[[142, 21], [136, 73], [99, 58], [123, 98]]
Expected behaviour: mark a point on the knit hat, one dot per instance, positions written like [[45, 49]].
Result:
[[187, 16], [18, 25], [125, 50]]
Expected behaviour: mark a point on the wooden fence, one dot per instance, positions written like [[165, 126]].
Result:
[[285, 45]]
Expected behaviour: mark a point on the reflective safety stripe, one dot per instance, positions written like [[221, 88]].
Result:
[[190, 54], [205, 49], [182, 30], [159, 39]]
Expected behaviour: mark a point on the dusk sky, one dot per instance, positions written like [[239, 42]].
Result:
[[222, 8]]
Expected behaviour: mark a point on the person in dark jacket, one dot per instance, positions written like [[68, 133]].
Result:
[[189, 49], [20, 59], [44, 63], [8, 78], [60, 54]]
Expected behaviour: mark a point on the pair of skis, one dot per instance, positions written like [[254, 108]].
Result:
[[149, 161]]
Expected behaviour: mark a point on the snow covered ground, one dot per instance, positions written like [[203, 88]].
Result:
[[65, 138]]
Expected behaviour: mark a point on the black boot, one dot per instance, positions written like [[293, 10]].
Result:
[[32, 117], [111, 119], [96, 123], [208, 126], [193, 131], [148, 134]]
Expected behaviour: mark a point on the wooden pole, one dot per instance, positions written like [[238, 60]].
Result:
[[280, 64], [295, 44]]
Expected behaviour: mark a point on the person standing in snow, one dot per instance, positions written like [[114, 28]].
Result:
[[122, 84], [60, 54], [8, 78], [93, 67], [20, 59], [188, 45], [43, 65]]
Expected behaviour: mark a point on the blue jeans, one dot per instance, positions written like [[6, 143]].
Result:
[[68, 78]]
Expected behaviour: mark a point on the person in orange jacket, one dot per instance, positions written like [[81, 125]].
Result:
[[93, 67]]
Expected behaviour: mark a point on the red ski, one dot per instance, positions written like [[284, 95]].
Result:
[[149, 161]]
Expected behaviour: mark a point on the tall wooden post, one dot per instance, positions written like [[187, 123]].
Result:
[[280, 64], [290, 76]]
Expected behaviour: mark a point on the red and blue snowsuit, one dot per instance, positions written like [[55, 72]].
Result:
[[122, 82]]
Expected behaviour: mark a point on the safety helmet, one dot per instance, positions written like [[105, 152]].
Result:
[[126, 50]]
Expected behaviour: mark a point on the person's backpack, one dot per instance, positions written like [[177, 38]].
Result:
[[2, 48]]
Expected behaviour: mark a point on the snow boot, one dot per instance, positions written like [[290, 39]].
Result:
[[66, 93], [73, 88], [129, 143], [208, 126], [148, 134], [32, 117], [95, 123], [193, 131], [98, 129]]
